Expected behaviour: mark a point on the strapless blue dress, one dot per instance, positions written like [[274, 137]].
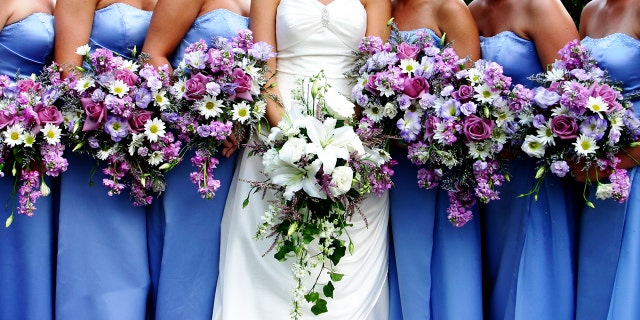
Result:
[[27, 247], [103, 267], [609, 254], [183, 228], [529, 246], [438, 266]]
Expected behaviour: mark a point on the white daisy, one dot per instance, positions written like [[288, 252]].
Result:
[[155, 158], [479, 150], [104, 154], [475, 75], [118, 88], [585, 145], [545, 135], [597, 105], [28, 139], [259, 109], [484, 93], [83, 84], [52, 133], [409, 66], [209, 107], [616, 120], [179, 88], [131, 65], [14, 135], [241, 112], [375, 112], [561, 110], [160, 99], [555, 74], [83, 50], [154, 129]]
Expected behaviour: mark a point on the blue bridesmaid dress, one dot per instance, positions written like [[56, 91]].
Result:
[[27, 247], [609, 253], [529, 246], [438, 265], [103, 268], [184, 228]]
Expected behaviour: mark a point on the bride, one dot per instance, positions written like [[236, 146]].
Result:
[[310, 36]]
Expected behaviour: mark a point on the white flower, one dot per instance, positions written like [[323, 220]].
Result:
[[585, 145], [259, 109], [616, 120], [14, 135], [375, 112], [479, 150], [155, 158], [209, 107], [179, 88], [131, 65], [597, 105], [136, 141], [293, 150], [475, 75], [154, 129], [270, 161], [83, 50], [83, 84], [118, 88], [484, 94], [28, 139], [241, 112], [331, 143], [338, 105], [390, 110], [560, 110], [555, 74], [341, 179], [52, 133], [196, 59], [160, 99], [604, 191], [546, 135], [409, 66], [533, 146], [294, 178], [104, 154]]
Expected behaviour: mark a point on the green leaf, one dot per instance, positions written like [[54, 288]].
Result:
[[245, 203], [338, 253], [328, 290], [319, 307], [336, 276], [312, 296]]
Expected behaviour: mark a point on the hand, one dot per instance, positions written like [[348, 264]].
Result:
[[229, 145]]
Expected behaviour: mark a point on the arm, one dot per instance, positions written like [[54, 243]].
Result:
[[378, 13], [171, 20], [73, 23], [262, 21], [550, 27], [455, 20], [585, 16]]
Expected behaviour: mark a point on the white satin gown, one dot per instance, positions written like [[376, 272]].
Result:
[[310, 37]]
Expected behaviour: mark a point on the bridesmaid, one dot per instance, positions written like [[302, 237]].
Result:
[[103, 269], [438, 265], [184, 244], [608, 264], [529, 245], [27, 247]]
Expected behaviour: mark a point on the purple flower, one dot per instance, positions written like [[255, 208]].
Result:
[[261, 51], [243, 83], [608, 94], [117, 128], [409, 126], [204, 131], [48, 114], [416, 86], [559, 168], [93, 142], [545, 98], [449, 109], [594, 127], [195, 87], [468, 108], [476, 128], [464, 93], [138, 119], [142, 97], [95, 114], [564, 127], [407, 51]]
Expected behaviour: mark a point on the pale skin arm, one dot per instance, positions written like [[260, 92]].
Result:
[[171, 20], [550, 28], [73, 23], [455, 20], [378, 13], [262, 22]]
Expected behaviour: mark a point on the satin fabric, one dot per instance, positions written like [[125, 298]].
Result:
[[103, 269], [184, 228], [609, 255], [253, 286], [27, 247], [439, 266], [529, 245]]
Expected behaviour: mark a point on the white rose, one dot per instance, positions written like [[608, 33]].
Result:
[[341, 179], [270, 161], [604, 191], [390, 110], [292, 150], [533, 146], [338, 105]]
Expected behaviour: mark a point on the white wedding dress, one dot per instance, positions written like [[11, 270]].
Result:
[[311, 37]]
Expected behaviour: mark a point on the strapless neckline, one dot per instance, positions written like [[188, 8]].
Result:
[[617, 36], [220, 10], [508, 34], [116, 4], [27, 18]]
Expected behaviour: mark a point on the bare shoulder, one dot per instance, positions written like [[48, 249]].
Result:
[[477, 6]]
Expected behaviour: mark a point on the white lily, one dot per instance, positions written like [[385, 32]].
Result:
[[331, 143]]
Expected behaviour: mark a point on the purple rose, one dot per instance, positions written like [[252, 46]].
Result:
[[138, 119], [49, 114], [407, 51], [27, 84], [5, 120], [564, 127], [243, 82], [416, 86], [95, 112], [371, 85], [196, 87], [464, 93], [127, 76], [608, 94], [476, 128]]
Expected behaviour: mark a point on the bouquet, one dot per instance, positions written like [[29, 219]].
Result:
[[218, 94], [455, 121], [115, 112], [581, 117], [31, 135], [320, 169]]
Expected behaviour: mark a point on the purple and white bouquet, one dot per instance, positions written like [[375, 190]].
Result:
[[320, 169], [579, 116], [218, 92], [30, 127], [455, 121], [115, 112]]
